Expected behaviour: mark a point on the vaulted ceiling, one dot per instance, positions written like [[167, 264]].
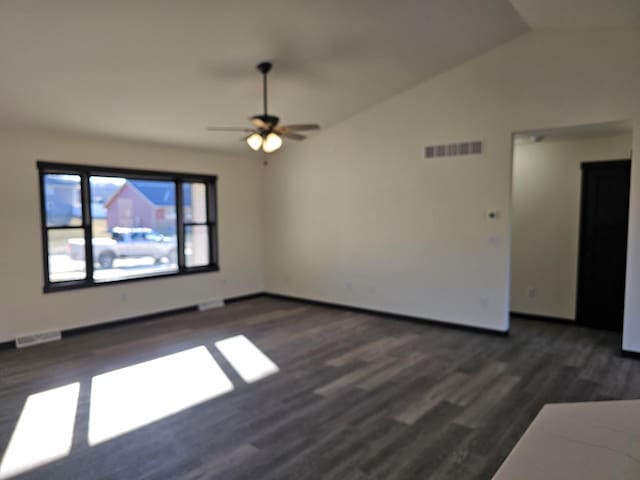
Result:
[[579, 14], [162, 70]]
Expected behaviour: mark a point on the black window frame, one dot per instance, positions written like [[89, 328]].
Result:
[[87, 171]]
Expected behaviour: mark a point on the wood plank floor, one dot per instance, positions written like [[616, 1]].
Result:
[[357, 396]]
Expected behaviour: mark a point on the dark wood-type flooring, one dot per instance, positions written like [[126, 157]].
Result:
[[358, 396]]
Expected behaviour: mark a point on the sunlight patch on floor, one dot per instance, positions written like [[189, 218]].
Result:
[[131, 397], [247, 359], [44, 431]]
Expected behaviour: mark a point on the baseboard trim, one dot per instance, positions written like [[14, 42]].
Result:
[[559, 321], [544, 318], [243, 298], [150, 316], [630, 354], [10, 345], [251, 296], [394, 316], [127, 321]]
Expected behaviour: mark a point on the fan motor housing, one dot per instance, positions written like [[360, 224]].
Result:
[[270, 120]]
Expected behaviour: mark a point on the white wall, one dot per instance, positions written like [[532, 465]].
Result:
[[25, 309], [356, 215], [546, 219]]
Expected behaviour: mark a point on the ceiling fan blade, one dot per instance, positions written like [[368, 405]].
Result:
[[265, 124], [259, 123], [229, 129], [293, 135], [301, 127]]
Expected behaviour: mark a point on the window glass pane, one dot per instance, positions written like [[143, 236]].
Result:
[[196, 246], [66, 254], [62, 200], [134, 227], [194, 198]]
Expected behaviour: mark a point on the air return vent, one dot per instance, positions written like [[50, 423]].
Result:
[[209, 304], [30, 340], [454, 149]]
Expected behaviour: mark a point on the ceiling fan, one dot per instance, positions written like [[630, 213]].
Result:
[[267, 134]]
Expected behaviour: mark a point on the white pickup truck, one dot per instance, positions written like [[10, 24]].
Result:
[[126, 242]]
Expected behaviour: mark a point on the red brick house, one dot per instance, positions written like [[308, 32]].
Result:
[[143, 203]]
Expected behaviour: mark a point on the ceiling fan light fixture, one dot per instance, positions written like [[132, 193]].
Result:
[[272, 142], [254, 141], [266, 133]]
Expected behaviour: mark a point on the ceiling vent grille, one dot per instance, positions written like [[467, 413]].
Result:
[[30, 340], [454, 149]]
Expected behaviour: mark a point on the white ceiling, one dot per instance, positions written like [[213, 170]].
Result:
[[161, 70], [579, 14]]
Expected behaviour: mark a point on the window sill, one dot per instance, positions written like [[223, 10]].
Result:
[[78, 284]]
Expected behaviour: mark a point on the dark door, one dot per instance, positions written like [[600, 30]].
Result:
[[602, 259]]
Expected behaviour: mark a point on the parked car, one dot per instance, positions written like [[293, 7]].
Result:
[[126, 242]]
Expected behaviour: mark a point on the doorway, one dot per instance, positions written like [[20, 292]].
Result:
[[604, 218], [559, 176]]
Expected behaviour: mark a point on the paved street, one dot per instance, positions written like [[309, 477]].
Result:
[[63, 268]]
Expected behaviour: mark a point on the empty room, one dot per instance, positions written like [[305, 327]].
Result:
[[320, 240]]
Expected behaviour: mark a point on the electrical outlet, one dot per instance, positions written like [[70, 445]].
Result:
[[532, 292]]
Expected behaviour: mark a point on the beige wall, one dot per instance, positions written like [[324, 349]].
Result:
[[25, 309], [356, 215], [546, 219]]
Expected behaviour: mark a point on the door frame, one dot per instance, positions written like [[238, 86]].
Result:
[[581, 228]]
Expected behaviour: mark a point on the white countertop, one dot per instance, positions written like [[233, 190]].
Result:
[[582, 441]]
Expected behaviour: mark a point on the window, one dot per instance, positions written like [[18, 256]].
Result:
[[102, 225], [196, 229]]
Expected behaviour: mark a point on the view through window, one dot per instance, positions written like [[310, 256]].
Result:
[[141, 224]]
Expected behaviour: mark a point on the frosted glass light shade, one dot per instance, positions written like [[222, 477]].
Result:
[[272, 142], [254, 141]]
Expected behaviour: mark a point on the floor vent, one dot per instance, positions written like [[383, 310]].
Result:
[[30, 340], [454, 149], [211, 304]]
